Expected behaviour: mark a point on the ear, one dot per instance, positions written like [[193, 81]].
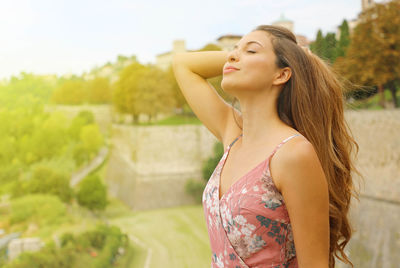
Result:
[[282, 76]]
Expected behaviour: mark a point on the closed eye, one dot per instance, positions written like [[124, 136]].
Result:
[[251, 51]]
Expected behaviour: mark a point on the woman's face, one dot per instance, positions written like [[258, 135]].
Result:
[[253, 55]]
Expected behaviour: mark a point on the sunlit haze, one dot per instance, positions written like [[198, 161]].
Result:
[[44, 36]]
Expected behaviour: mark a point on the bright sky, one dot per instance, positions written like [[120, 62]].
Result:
[[71, 36]]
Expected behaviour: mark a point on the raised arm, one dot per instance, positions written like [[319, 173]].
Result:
[[191, 70]]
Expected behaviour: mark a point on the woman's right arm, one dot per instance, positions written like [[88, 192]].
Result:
[[191, 69]]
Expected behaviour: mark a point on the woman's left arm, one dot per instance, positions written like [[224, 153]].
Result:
[[304, 188]]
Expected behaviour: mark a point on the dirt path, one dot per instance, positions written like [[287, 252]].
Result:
[[84, 171]]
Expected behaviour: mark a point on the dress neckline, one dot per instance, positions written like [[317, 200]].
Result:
[[248, 172]]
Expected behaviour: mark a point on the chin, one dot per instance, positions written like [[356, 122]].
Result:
[[230, 86]]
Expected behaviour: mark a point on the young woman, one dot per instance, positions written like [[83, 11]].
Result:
[[289, 210]]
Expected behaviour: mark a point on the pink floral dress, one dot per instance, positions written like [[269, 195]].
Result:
[[250, 225]]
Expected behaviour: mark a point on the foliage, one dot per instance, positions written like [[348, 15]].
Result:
[[84, 130], [78, 91], [210, 164], [330, 47], [143, 90], [179, 120], [70, 92], [344, 39], [92, 194], [180, 100], [98, 90], [318, 45], [194, 187], [371, 102], [27, 89], [46, 181], [92, 249], [83, 118], [9, 172], [375, 45], [41, 208], [325, 46], [47, 140], [154, 93], [91, 138]]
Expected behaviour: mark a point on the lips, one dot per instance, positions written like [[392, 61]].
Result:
[[230, 68]]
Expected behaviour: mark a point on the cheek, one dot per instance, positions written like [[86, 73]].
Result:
[[260, 72], [259, 65]]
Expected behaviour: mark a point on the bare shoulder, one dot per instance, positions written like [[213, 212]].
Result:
[[296, 162]]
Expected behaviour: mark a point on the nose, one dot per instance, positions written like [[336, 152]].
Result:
[[232, 55]]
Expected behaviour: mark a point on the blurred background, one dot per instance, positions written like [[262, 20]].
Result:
[[102, 161]]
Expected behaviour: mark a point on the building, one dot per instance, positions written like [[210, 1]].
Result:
[[284, 22], [366, 4]]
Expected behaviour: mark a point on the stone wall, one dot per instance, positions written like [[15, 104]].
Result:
[[376, 217], [148, 166]]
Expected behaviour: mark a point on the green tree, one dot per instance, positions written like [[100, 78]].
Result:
[[344, 39], [330, 47], [373, 56], [92, 194], [325, 46], [98, 90], [43, 209], [27, 86], [70, 92], [125, 89], [154, 93], [318, 46], [143, 89], [83, 118], [91, 138], [48, 181], [49, 137]]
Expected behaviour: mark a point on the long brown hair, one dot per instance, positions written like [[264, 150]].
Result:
[[312, 102]]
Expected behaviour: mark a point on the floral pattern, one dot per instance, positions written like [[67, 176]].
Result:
[[250, 225]]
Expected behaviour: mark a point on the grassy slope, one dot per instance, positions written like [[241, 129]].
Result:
[[177, 236]]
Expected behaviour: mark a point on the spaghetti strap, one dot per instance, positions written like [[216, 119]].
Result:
[[283, 142], [230, 145], [276, 148]]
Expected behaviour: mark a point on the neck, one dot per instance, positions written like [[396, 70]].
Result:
[[260, 118]]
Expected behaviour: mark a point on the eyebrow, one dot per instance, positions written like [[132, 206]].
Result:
[[249, 43]]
